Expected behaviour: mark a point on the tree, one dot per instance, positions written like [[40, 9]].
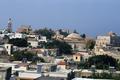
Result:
[[71, 75], [45, 32], [19, 55], [5, 39], [102, 61], [83, 36], [117, 77], [118, 66], [62, 47], [18, 42], [75, 31], [90, 44], [63, 33], [103, 75], [36, 59]]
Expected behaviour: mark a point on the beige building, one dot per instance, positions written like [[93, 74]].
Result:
[[24, 29], [106, 43], [77, 57], [58, 36], [61, 65], [5, 73], [28, 76], [103, 41], [33, 43], [77, 43]]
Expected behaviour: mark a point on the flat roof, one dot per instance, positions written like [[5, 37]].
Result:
[[89, 79], [3, 68], [24, 75]]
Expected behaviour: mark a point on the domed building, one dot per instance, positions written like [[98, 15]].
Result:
[[77, 43], [74, 36]]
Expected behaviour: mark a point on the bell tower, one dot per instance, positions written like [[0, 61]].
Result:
[[9, 25]]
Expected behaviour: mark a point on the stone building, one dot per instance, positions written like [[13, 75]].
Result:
[[107, 43], [5, 73], [77, 43], [24, 29]]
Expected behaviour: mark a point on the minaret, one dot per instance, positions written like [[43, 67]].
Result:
[[9, 26]]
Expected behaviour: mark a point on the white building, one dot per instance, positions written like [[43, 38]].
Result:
[[42, 39], [17, 35], [5, 73], [16, 66], [34, 40], [8, 48], [33, 43], [2, 31], [103, 41], [28, 76], [38, 37]]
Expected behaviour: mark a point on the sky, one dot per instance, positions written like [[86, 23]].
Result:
[[93, 17]]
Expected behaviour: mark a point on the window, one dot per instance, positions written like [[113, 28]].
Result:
[[76, 57], [16, 66], [7, 47]]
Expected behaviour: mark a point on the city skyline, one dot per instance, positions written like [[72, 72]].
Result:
[[86, 16]]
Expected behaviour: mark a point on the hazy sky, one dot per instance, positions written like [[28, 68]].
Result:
[[86, 16]]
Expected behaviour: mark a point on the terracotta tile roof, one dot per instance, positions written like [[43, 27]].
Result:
[[61, 63]]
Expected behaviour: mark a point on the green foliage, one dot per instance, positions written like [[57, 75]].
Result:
[[90, 44], [71, 75], [19, 55], [103, 75], [83, 36], [45, 32], [5, 39], [63, 33], [63, 47], [18, 42], [36, 59], [75, 32], [82, 65], [102, 61], [117, 77]]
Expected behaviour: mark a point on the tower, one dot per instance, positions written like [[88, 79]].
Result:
[[9, 25]]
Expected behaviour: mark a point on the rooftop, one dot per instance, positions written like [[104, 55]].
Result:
[[73, 36], [51, 78], [24, 75], [88, 79]]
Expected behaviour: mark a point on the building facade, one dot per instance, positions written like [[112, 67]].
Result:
[[77, 43]]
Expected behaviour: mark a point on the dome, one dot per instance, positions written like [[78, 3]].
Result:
[[74, 36]]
